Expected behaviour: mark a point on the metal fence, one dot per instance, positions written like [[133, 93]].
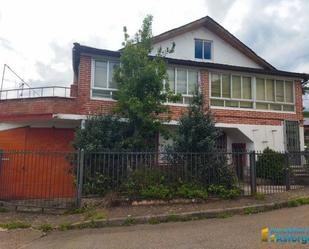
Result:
[[62, 179], [35, 92]]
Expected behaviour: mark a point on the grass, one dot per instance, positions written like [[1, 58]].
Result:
[[77, 210], [259, 196], [46, 228], [95, 215], [298, 202], [15, 225], [251, 210], [64, 227], [172, 218], [3, 210], [224, 215], [153, 221], [129, 221]]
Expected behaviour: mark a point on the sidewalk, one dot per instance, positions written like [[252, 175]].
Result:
[[123, 212]]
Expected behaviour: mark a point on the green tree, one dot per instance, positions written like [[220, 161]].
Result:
[[141, 95], [196, 131], [101, 132]]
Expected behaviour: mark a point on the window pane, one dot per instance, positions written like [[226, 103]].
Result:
[[193, 81], [289, 92], [171, 79], [263, 106], [207, 50], [217, 102], [279, 91], [97, 93], [246, 88], [270, 90], [260, 89], [288, 108], [181, 81], [236, 87], [226, 86], [246, 104], [100, 74], [275, 107], [199, 49], [215, 85], [231, 103], [112, 83]]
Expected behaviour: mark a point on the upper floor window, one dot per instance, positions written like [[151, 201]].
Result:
[[103, 84], [203, 49], [183, 81], [237, 91]]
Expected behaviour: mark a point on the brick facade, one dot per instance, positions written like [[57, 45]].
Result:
[[81, 103]]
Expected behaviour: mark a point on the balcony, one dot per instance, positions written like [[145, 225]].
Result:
[[36, 92]]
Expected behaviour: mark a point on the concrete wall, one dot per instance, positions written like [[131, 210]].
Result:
[[222, 52]]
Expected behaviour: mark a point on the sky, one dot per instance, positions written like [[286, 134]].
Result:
[[36, 37]]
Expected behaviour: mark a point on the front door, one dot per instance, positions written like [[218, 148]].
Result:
[[239, 158]]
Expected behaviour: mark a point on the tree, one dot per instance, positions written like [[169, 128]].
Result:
[[141, 95], [101, 132], [196, 131]]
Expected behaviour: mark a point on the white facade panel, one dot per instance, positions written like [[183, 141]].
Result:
[[222, 52]]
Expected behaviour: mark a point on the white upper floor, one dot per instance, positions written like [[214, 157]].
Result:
[[220, 51]]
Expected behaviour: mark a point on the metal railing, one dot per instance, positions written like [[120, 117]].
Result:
[[35, 92], [61, 179]]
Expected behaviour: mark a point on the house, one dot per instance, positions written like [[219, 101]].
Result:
[[255, 104]]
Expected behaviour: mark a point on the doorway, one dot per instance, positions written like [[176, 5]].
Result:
[[239, 158]]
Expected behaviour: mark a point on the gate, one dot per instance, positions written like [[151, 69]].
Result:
[[38, 179]]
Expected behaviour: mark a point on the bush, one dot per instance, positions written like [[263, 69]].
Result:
[[156, 192], [224, 193], [99, 184], [192, 191], [271, 166]]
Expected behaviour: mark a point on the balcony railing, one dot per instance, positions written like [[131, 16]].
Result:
[[35, 92]]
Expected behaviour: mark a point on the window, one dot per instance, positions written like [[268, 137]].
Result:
[[183, 81], [237, 91], [231, 90], [104, 86], [203, 49]]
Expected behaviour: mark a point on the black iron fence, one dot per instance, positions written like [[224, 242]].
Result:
[[62, 179]]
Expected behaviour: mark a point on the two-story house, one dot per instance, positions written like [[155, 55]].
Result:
[[256, 105]]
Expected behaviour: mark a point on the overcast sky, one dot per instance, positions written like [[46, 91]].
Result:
[[36, 36]]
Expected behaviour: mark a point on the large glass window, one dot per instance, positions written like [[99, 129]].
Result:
[[202, 49], [104, 86], [231, 90], [183, 81], [237, 91]]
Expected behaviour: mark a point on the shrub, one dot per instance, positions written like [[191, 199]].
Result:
[[271, 165], [192, 191], [99, 184], [46, 228], [156, 192], [223, 192], [146, 180]]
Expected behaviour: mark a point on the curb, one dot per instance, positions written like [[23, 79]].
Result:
[[187, 216]]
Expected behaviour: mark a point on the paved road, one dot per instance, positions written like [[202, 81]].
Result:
[[233, 232]]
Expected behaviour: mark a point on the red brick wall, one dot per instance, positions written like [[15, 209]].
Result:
[[82, 104]]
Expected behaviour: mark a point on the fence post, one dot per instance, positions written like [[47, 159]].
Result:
[[80, 175], [252, 173], [287, 172]]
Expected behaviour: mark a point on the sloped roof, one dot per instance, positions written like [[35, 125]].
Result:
[[220, 31], [81, 49]]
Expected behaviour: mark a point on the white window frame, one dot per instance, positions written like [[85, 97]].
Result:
[[187, 95], [211, 49], [111, 90], [253, 93]]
